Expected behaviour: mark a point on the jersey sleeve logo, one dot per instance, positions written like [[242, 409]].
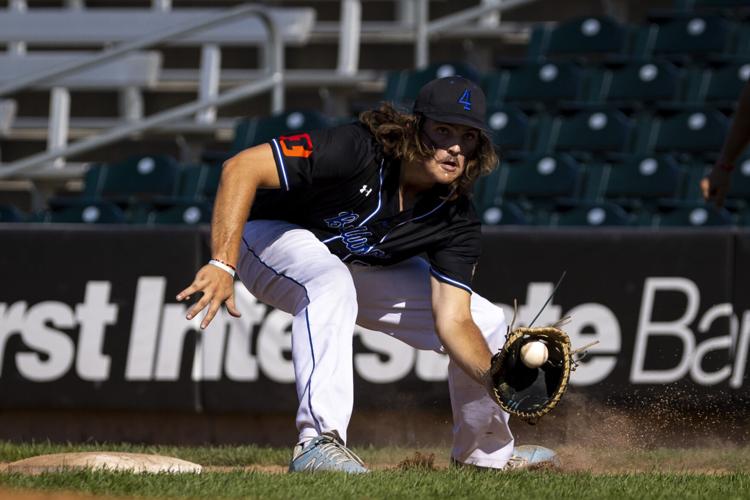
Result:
[[297, 145]]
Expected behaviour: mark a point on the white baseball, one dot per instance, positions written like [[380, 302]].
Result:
[[534, 354]]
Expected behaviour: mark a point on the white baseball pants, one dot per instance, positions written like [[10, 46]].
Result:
[[287, 267]]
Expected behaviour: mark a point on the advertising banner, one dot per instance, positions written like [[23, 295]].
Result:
[[88, 317], [663, 305], [88, 320]]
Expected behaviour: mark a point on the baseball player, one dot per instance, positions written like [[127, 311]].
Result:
[[369, 223]]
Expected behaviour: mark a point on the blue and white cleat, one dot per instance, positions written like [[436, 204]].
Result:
[[325, 453], [531, 457]]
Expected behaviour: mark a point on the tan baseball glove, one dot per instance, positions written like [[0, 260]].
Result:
[[530, 393]]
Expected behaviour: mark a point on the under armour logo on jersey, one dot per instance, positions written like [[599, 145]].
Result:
[[465, 99], [365, 190]]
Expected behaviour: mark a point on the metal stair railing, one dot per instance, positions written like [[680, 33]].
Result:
[[274, 81], [413, 26], [426, 29]]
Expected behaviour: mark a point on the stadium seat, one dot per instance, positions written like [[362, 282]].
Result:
[[535, 85], [402, 86], [96, 212], [198, 182], [719, 83], [642, 180], [693, 214], [592, 215], [510, 128], [601, 131], [257, 130], [699, 132], [740, 182], [502, 214], [183, 213], [593, 177], [136, 178], [636, 85], [539, 180], [487, 191], [589, 37], [692, 37]]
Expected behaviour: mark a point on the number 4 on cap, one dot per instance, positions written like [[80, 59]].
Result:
[[465, 99]]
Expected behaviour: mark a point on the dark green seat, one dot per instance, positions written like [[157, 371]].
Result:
[[510, 128], [592, 215], [643, 180], [589, 36], [694, 215], [700, 132], [726, 81], [536, 85], [637, 84], [96, 212], [257, 130], [694, 37], [183, 213], [402, 86], [137, 177], [199, 182], [541, 179], [599, 131], [504, 214], [719, 83]]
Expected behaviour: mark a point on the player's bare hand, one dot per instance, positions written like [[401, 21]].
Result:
[[716, 185], [217, 288]]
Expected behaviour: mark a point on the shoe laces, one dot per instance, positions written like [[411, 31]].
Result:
[[336, 451]]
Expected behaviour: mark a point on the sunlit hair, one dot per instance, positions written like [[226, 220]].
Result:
[[398, 134]]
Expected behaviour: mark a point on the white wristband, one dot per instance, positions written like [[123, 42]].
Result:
[[223, 266]]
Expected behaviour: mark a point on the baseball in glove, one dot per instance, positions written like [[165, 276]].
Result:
[[530, 393]]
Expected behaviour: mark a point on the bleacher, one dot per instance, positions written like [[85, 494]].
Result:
[[600, 121], [620, 121]]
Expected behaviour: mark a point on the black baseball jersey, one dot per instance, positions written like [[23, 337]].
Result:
[[338, 184]]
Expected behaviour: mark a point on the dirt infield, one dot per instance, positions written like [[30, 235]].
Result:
[[574, 458], [7, 494]]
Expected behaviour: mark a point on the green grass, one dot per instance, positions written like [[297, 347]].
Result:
[[669, 481], [392, 484]]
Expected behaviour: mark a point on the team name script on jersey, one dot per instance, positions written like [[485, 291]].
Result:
[[355, 238]]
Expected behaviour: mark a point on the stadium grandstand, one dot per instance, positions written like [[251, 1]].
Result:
[[606, 113]]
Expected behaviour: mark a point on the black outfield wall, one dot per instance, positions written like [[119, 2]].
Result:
[[88, 321]]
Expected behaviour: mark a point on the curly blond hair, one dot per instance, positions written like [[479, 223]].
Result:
[[398, 134]]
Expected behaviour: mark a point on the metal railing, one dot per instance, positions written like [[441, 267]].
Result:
[[426, 29], [414, 25], [273, 81]]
